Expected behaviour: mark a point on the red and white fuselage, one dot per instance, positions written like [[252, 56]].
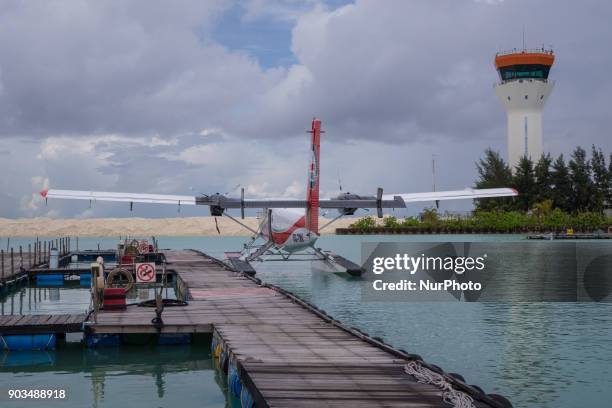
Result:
[[289, 231], [293, 229]]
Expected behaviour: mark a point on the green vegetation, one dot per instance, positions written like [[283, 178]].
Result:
[[544, 219], [582, 185], [364, 223], [554, 196]]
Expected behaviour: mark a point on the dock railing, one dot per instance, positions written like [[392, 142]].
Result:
[[15, 262]]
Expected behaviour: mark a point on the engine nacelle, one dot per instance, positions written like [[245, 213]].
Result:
[[216, 204], [349, 196], [216, 211]]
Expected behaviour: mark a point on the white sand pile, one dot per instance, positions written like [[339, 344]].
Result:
[[104, 227]]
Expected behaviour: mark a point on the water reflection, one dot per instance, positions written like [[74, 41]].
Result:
[[127, 376], [66, 299], [540, 354]]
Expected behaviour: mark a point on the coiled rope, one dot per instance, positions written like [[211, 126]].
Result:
[[457, 399]]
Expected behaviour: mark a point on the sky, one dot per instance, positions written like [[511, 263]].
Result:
[[210, 96]]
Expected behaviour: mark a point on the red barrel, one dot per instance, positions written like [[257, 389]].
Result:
[[127, 259], [114, 299]]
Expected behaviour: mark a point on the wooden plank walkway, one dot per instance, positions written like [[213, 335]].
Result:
[[34, 324], [285, 353]]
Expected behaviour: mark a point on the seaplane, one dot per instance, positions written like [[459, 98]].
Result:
[[288, 228]]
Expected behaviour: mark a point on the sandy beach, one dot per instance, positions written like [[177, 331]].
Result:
[[105, 227]]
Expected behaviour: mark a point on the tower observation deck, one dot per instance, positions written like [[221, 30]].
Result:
[[523, 90]]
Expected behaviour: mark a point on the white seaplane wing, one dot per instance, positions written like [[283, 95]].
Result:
[[348, 201], [454, 195], [123, 197]]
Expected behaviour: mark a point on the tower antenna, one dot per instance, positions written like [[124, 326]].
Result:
[[524, 42], [433, 170], [433, 175]]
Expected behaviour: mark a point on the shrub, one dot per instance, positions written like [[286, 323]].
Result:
[[364, 223], [557, 219], [501, 221], [542, 209], [410, 222], [390, 222], [589, 221], [430, 216]]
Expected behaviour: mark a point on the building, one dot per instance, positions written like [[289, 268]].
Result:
[[523, 90]]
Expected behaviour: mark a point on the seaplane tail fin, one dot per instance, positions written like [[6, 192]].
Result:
[[312, 188]]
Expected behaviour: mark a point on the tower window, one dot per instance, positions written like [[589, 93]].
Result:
[[528, 71], [509, 98], [541, 97], [526, 96]]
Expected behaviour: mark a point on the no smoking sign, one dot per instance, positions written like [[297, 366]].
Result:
[[145, 272]]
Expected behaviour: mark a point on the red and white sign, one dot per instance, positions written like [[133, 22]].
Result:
[[143, 247], [145, 272]]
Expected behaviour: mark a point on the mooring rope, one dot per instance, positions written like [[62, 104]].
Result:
[[457, 399]]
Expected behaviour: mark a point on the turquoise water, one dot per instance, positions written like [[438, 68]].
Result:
[[33, 300], [172, 376], [536, 354], [57, 300]]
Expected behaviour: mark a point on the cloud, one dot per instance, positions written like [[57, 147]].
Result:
[[101, 148], [489, 1], [423, 70], [408, 71], [111, 67], [141, 97], [39, 183], [267, 190], [284, 10]]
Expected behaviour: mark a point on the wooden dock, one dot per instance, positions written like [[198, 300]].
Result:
[[573, 236], [16, 262], [34, 324], [286, 352]]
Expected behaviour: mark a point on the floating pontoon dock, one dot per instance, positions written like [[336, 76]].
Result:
[[41, 324], [277, 350], [573, 236]]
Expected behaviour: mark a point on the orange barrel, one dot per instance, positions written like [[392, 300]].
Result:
[[114, 299]]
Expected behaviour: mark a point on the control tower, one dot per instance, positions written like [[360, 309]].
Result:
[[523, 90]]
